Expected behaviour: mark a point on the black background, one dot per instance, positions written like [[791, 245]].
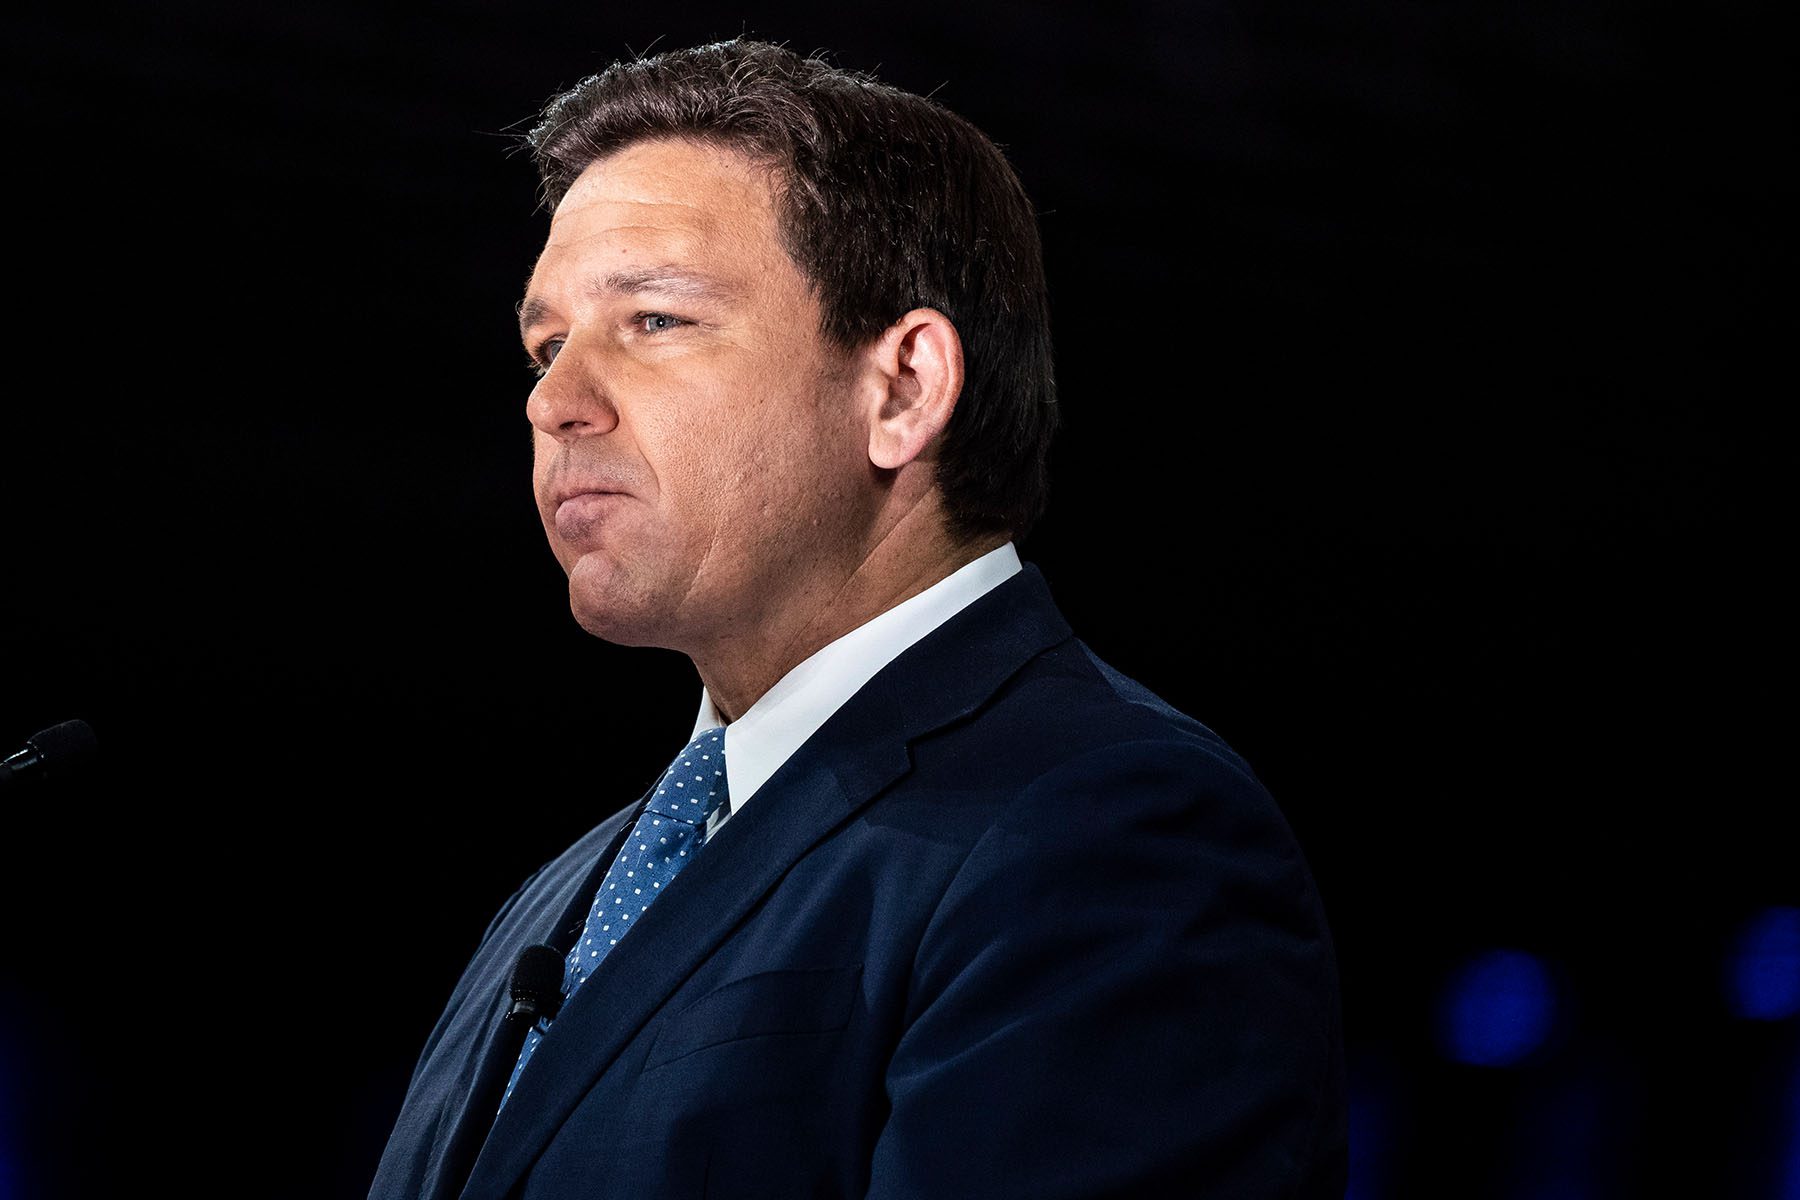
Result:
[[1421, 370]]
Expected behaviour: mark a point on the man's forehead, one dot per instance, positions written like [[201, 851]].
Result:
[[595, 244], [662, 201], [687, 260]]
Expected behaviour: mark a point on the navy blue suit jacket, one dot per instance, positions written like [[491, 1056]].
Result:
[[1007, 925]]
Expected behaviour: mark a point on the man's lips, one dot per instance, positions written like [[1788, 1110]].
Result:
[[564, 494], [578, 496], [579, 514]]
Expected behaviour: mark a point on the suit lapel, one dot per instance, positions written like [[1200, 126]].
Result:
[[855, 755], [546, 920]]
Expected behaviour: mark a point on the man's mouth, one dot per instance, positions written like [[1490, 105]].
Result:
[[580, 514]]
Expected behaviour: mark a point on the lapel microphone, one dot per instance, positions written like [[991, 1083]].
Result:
[[536, 991], [536, 986], [56, 751]]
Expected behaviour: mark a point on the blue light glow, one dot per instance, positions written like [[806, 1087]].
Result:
[[1787, 1166], [11, 1168], [1374, 1124], [1763, 974], [1497, 1009]]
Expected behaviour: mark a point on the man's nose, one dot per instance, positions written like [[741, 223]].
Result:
[[571, 399]]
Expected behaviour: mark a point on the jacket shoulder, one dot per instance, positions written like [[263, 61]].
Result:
[[1135, 914], [1068, 703]]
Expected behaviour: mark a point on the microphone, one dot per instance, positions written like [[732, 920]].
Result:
[[57, 751], [536, 991], [536, 986]]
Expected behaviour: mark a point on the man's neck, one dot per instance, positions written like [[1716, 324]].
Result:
[[737, 673]]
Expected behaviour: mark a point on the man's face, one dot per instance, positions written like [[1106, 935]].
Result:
[[699, 462]]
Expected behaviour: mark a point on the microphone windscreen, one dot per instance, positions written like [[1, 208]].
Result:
[[69, 744], [537, 979]]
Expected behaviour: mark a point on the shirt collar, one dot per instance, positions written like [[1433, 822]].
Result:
[[760, 741]]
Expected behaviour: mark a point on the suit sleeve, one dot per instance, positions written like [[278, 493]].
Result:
[[1127, 990]]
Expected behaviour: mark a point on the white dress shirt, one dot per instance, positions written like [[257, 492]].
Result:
[[757, 743]]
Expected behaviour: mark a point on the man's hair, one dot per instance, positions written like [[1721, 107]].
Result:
[[887, 202]]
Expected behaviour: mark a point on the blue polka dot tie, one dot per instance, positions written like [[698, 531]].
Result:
[[669, 832]]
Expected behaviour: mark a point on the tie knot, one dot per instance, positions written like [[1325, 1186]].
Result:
[[694, 785]]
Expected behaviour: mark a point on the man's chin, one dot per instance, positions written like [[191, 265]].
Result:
[[604, 606], [609, 625]]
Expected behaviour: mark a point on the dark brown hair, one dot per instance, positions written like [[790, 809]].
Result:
[[888, 202]]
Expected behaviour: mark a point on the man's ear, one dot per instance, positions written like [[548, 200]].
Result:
[[917, 366]]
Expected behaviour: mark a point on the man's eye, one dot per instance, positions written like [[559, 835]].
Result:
[[540, 359], [656, 322]]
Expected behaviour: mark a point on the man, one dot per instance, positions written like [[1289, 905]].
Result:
[[952, 908]]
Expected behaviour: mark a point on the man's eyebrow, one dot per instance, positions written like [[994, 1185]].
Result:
[[682, 282]]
